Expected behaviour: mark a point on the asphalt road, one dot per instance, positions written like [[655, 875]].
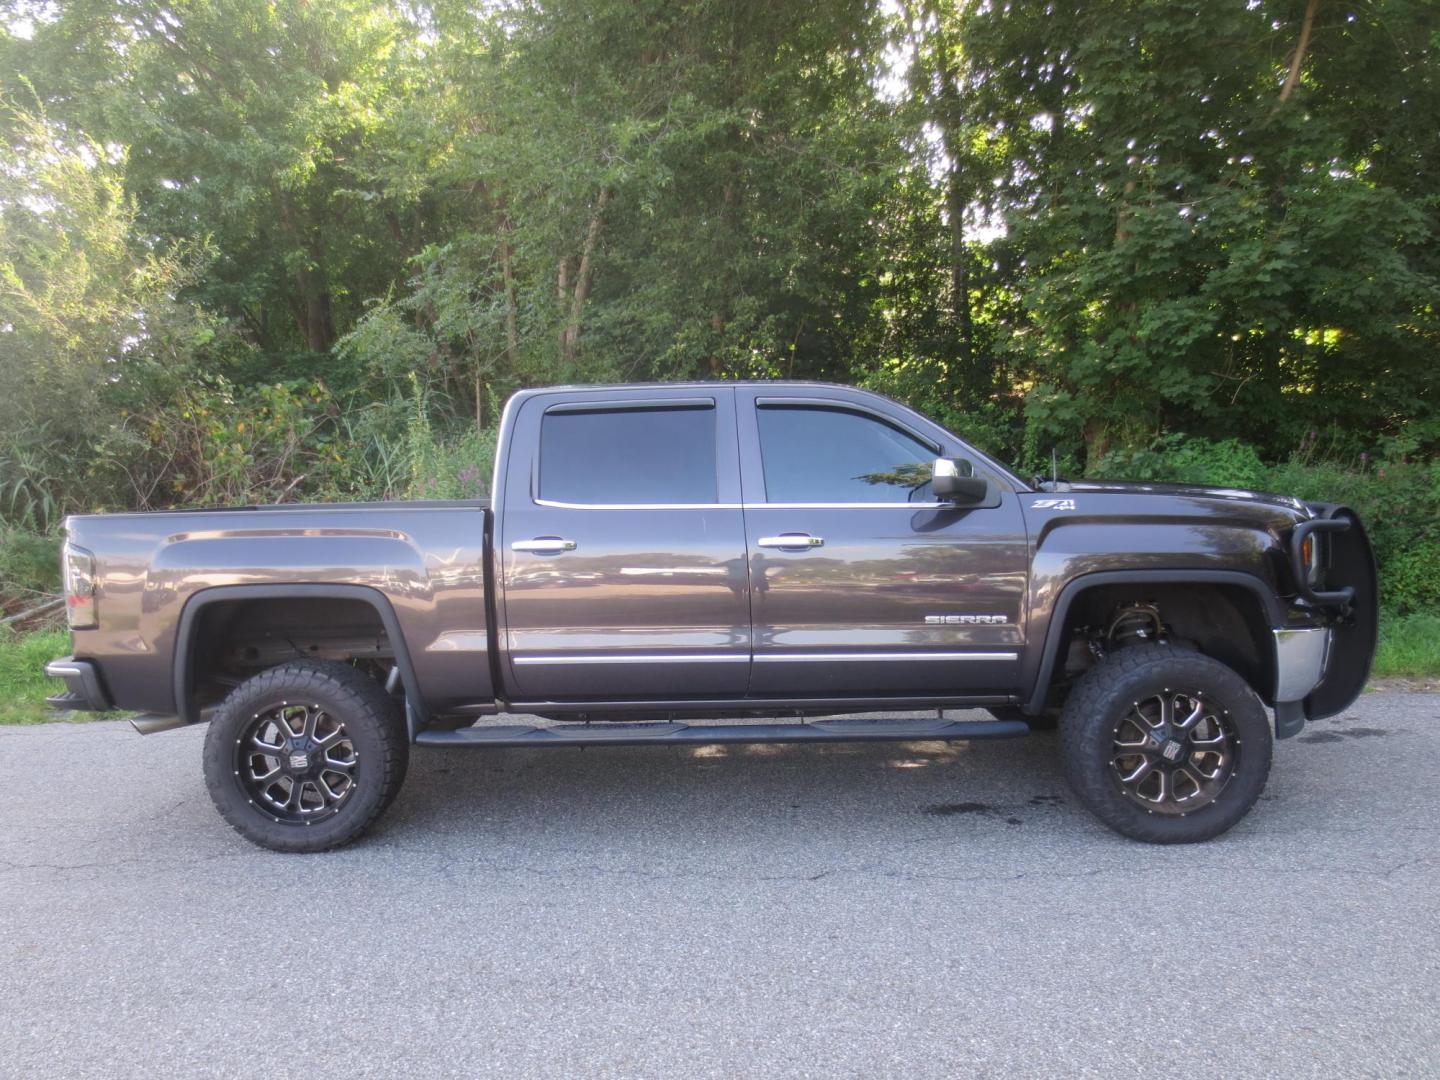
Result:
[[916, 910]]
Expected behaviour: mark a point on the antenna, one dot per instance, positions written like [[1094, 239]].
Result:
[[1054, 470]]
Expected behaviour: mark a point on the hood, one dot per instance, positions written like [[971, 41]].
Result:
[[1204, 491]]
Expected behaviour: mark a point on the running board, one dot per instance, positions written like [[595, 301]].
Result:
[[659, 734]]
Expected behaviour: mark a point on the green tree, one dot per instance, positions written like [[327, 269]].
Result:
[[637, 190], [242, 121], [1053, 224], [89, 318], [1209, 228]]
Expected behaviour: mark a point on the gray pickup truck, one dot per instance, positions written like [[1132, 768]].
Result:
[[727, 563]]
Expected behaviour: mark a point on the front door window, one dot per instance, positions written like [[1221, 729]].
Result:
[[819, 455]]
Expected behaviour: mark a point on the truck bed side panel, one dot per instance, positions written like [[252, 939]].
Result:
[[427, 561]]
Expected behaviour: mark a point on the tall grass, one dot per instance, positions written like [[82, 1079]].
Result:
[[1409, 647], [23, 685], [27, 492]]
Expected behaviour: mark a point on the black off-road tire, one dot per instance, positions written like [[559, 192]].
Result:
[[1107, 693], [373, 724]]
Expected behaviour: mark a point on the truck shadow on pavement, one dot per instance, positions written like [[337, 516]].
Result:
[[733, 788], [1345, 733]]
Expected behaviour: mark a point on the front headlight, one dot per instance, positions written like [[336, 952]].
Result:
[[79, 570]]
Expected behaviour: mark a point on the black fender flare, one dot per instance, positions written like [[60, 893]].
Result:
[[1270, 603], [183, 671]]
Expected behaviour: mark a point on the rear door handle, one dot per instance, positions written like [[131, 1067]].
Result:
[[791, 541], [544, 545]]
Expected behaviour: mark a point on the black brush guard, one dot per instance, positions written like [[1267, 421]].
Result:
[[1353, 596]]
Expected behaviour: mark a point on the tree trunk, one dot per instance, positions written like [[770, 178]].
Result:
[[955, 206], [584, 278], [319, 322], [507, 273], [949, 116], [1307, 24], [1122, 218], [397, 233], [717, 327], [562, 296], [311, 302], [726, 254], [1097, 441]]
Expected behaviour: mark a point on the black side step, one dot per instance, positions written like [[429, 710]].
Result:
[[658, 734]]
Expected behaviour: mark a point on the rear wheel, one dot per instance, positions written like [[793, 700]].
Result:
[[305, 756], [1164, 745]]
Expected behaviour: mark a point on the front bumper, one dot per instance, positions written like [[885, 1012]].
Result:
[[1301, 653], [83, 689], [1300, 656]]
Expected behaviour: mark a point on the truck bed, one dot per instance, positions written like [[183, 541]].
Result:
[[420, 564]]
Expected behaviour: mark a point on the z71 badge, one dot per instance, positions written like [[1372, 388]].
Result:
[[1053, 504]]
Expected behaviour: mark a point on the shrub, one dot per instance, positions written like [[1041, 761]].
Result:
[[215, 444], [1410, 579], [28, 561], [27, 490], [454, 468], [364, 454], [459, 468], [1186, 459]]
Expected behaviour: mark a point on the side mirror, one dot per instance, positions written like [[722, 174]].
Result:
[[954, 480]]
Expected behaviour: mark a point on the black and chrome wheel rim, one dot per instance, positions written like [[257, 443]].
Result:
[[296, 763], [1174, 752]]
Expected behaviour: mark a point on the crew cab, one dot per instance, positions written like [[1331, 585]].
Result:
[[726, 563]]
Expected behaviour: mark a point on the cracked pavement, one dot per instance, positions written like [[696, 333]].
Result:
[[868, 910]]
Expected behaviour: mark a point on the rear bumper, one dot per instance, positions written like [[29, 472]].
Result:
[[83, 689]]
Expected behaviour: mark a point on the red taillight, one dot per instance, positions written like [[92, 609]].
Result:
[[79, 570]]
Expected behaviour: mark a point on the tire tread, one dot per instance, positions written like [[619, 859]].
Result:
[[367, 702], [1085, 718]]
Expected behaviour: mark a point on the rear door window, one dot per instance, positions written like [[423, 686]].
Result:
[[628, 456]]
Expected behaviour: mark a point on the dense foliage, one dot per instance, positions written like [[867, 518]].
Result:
[[273, 249]]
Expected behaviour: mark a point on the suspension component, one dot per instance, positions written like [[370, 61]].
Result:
[[1135, 622]]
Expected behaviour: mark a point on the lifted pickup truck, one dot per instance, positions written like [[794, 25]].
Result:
[[716, 563]]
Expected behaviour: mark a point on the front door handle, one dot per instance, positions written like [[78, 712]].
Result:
[[544, 545], [791, 541]]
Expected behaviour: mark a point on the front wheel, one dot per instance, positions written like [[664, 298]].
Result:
[[305, 756], [1166, 746]]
